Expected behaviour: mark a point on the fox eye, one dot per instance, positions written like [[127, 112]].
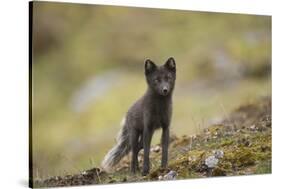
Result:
[[167, 77], [157, 80]]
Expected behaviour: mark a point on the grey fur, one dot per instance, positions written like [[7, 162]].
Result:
[[119, 150], [152, 111]]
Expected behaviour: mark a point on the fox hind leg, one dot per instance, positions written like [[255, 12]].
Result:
[[140, 146], [135, 149]]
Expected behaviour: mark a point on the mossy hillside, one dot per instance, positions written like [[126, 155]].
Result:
[[244, 138]]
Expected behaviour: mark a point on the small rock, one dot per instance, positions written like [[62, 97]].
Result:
[[218, 154], [253, 127], [170, 176], [156, 149], [211, 161], [160, 177]]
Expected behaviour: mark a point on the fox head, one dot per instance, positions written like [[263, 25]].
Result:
[[161, 79]]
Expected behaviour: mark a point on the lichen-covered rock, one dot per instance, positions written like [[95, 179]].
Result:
[[172, 175], [211, 161], [156, 149]]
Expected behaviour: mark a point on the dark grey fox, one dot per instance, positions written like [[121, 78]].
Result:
[[152, 111]]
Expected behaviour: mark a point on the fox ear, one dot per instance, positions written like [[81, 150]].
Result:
[[170, 64], [149, 66]]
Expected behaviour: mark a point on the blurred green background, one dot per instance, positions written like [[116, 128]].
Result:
[[87, 70]]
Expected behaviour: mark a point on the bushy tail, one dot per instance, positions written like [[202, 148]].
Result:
[[118, 151]]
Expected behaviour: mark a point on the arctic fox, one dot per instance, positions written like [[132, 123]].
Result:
[[152, 111]]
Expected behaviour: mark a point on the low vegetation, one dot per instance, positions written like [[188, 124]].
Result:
[[238, 145]]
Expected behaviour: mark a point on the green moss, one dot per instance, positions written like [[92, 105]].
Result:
[[227, 142], [241, 157], [264, 167]]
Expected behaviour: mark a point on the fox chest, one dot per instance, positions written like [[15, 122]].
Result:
[[159, 116]]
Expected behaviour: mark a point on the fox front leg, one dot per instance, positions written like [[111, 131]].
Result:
[[165, 145], [147, 135]]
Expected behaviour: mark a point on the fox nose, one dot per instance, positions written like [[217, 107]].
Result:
[[165, 90]]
